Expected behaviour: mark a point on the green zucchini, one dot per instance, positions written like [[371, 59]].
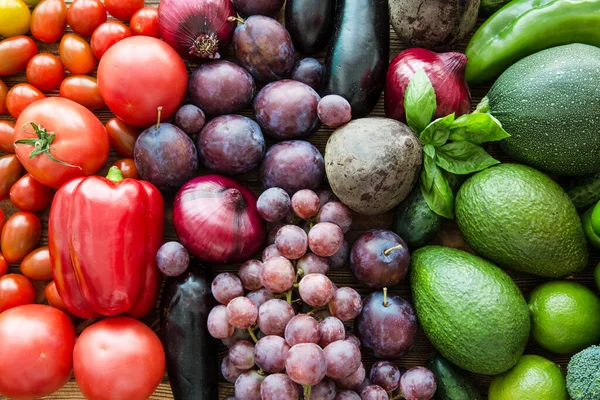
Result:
[[452, 382], [585, 191]]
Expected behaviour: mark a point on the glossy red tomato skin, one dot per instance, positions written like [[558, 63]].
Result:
[[3, 93], [135, 101], [45, 71], [122, 136], [20, 96], [145, 22], [84, 16], [81, 140], [107, 35], [83, 90], [15, 53], [20, 235], [76, 55], [123, 9], [36, 265], [54, 298], [11, 171], [128, 168], [27, 194], [3, 265], [36, 343], [7, 130], [15, 290], [118, 358], [49, 20]]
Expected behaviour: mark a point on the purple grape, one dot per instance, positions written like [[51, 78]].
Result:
[[258, 7], [231, 144], [217, 324], [249, 274], [292, 165], [287, 110], [278, 387], [326, 196], [340, 258], [229, 371], [269, 252], [277, 274], [373, 392], [270, 353], [418, 383], [354, 380], [385, 374], [316, 290], [226, 287], [308, 71], [221, 87], [242, 312], [345, 304], [325, 239], [273, 204], [273, 316], [306, 364], [331, 330], [343, 359], [302, 329], [292, 242], [347, 395], [334, 111], [241, 355], [353, 338], [311, 263], [190, 119], [260, 296], [305, 203], [247, 385], [324, 390], [336, 213], [238, 334], [172, 259]]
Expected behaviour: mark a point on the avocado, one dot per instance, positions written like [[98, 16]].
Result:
[[520, 219], [471, 310]]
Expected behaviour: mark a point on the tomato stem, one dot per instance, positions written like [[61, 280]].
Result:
[[42, 143], [158, 118]]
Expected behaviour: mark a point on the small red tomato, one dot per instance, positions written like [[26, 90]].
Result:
[[15, 53], [84, 16], [27, 194], [45, 71], [107, 35], [54, 298], [3, 93], [20, 235], [3, 265], [83, 90], [7, 130], [49, 20], [145, 22], [123, 9], [36, 265], [122, 136], [10, 172], [76, 55], [20, 96], [128, 168], [15, 290]]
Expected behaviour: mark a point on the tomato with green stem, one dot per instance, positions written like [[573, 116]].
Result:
[[122, 136], [21, 96], [15, 53], [7, 130], [145, 22], [36, 265], [128, 168], [27, 194], [49, 20], [20, 235], [76, 55], [84, 16], [10, 172], [123, 9], [106, 35], [15, 290], [82, 89], [45, 71]]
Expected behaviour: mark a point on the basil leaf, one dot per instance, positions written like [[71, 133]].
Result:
[[440, 197], [429, 171], [477, 128], [419, 102], [429, 150], [463, 158], [437, 132]]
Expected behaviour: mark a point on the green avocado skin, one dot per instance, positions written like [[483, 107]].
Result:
[[549, 103], [471, 310], [520, 219]]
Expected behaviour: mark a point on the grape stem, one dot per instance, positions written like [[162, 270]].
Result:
[[385, 302], [288, 296], [316, 310], [398, 397], [252, 335], [388, 251], [307, 390]]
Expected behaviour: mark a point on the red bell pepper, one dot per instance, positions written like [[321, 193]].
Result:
[[103, 236]]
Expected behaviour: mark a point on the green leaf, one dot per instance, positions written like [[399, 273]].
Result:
[[429, 171], [419, 102], [429, 150], [463, 158], [440, 197], [477, 128], [437, 132]]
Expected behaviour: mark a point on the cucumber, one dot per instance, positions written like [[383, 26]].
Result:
[[585, 191], [452, 382]]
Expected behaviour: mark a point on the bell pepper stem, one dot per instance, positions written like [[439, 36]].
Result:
[[114, 174]]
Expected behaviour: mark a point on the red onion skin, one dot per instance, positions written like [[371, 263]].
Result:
[[197, 29], [217, 221], [446, 71]]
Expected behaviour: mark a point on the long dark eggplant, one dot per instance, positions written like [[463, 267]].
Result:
[[309, 23], [358, 54], [189, 348]]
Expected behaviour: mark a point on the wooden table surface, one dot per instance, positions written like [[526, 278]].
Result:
[[421, 349]]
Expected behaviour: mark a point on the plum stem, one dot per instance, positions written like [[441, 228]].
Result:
[[385, 302], [158, 118], [236, 19], [252, 335], [307, 390], [388, 251]]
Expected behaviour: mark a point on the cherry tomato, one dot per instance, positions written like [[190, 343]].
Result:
[[107, 35], [36, 343], [45, 71], [3, 265], [20, 96], [76, 55], [123, 9], [36, 265], [49, 20], [15, 53], [3, 93], [145, 22], [122, 136], [10, 172], [27, 194], [14, 18], [118, 358], [54, 298], [84, 16], [83, 90], [7, 129], [20, 235], [128, 168], [15, 290]]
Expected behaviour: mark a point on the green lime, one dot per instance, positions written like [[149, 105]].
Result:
[[565, 316], [532, 378], [586, 221]]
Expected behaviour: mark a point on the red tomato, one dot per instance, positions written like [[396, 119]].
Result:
[[49, 20], [15, 53], [20, 235], [10, 172], [36, 343], [3, 93], [45, 71], [27, 194], [118, 358], [83, 90], [122, 136], [54, 298], [128, 168], [76, 55], [80, 141], [20, 96], [107, 35], [145, 22], [84, 16], [36, 265], [15, 290], [123, 9], [7, 130], [3, 265], [135, 101]]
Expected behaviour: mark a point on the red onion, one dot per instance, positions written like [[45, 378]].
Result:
[[216, 220], [446, 71], [197, 29]]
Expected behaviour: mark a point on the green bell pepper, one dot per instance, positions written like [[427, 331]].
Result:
[[587, 223], [524, 27]]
